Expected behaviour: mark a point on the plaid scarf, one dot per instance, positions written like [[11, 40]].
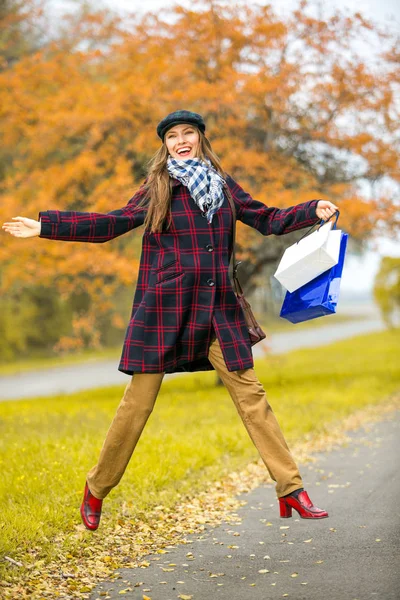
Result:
[[205, 184]]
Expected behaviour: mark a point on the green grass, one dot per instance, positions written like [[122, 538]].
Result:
[[193, 437]]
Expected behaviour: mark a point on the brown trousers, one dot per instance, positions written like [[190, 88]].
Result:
[[250, 400]]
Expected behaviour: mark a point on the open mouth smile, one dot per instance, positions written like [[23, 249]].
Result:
[[185, 151]]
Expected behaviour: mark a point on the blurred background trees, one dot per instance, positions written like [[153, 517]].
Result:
[[387, 290], [292, 108]]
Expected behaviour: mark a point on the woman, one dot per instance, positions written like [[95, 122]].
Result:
[[185, 314]]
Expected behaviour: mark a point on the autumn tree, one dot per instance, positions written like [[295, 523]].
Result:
[[292, 108], [21, 30]]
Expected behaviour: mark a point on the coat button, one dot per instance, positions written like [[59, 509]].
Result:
[[210, 282], [210, 248]]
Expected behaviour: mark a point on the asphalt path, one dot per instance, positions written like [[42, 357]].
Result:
[[352, 555], [101, 373]]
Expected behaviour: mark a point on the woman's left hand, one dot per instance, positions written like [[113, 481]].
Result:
[[325, 209]]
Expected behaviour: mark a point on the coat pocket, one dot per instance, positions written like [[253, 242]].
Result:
[[170, 270]]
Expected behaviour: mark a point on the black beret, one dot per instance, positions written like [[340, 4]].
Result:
[[180, 117]]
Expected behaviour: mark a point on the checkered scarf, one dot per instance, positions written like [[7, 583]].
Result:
[[205, 184]]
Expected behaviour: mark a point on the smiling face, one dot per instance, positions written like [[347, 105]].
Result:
[[182, 141]]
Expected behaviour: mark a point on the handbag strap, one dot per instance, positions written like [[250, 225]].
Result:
[[233, 265]]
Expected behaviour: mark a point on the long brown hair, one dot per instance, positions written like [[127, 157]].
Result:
[[158, 185]]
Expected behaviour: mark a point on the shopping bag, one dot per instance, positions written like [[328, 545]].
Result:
[[310, 256], [317, 297]]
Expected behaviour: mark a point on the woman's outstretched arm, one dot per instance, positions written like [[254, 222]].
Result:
[[75, 226], [277, 221]]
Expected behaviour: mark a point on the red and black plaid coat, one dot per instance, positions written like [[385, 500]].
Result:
[[183, 290]]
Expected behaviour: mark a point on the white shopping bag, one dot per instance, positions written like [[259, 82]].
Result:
[[309, 257]]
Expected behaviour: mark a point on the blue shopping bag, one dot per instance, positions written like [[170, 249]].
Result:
[[319, 296]]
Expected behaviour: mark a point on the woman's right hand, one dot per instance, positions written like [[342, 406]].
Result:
[[23, 227]]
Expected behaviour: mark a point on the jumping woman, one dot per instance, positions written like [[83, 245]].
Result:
[[185, 315]]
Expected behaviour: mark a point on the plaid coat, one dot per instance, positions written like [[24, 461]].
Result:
[[183, 290]]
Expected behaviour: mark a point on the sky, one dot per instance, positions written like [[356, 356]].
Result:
[[359, 272]]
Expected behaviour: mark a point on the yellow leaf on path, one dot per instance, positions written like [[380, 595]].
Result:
[[263, 571], [308, 541], [294, 575], [185, 597], [284, 527], [146, 597], [168, 570]]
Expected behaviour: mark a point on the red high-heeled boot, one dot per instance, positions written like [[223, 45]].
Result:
[[90, 510], [302, 504]]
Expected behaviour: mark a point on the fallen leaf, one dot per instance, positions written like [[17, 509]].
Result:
[[263, 571], [308, 541], [294, 575], [185, 597], [284, 527]]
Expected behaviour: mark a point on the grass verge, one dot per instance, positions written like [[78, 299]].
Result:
[[193, 438]]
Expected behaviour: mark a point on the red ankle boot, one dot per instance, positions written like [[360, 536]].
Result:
[[302, 504], [90, 510]]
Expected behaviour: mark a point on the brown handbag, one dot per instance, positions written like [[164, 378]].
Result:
[[255, 332]]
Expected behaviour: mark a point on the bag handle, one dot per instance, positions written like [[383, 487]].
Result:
[[321, 223], [233, 265]]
